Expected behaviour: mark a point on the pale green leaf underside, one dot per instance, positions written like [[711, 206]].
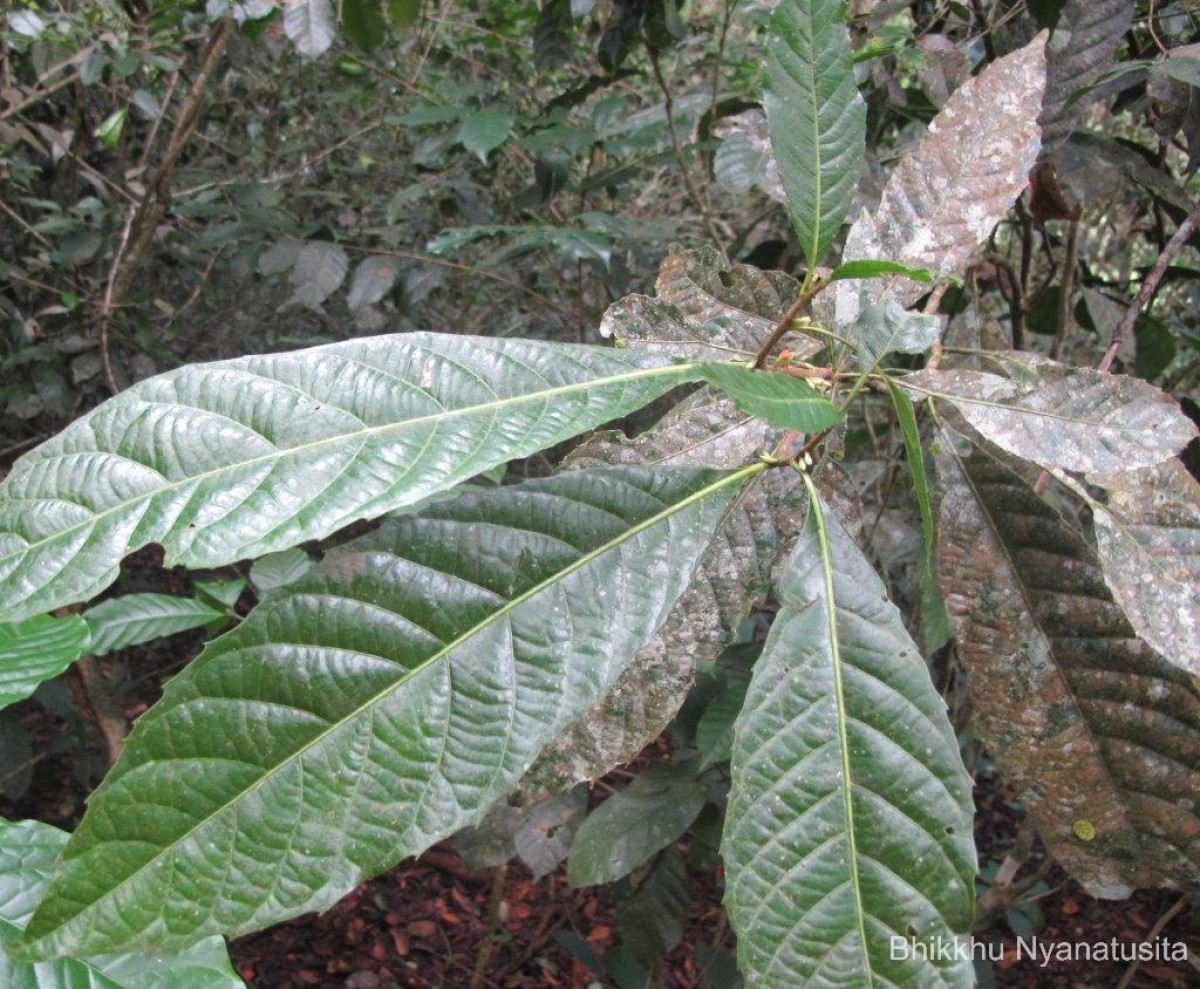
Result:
[[816, 117], [28, 851], [379, 704], [35, 650], [220, 462], [849, 820]]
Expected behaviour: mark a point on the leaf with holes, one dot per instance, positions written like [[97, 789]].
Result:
[[1097, 732], [377, 705], [849, 817], [220, 462]]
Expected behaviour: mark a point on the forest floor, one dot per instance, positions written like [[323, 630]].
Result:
[[435, 922]]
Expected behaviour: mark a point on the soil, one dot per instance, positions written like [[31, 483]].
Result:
[[435, 922]]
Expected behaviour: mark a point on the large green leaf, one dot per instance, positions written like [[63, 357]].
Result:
[[377, 705], [35, 650], [218, 462], [816, 117], [28, 851], [849, 819]]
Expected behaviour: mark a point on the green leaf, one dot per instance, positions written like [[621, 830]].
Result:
[[223, 594], [483, 132], [849, 819], [220, 462], [363, 23], [403, 13], [873, 269], [784, 401], [934, 623], [35, 650], [28, 852], [650, 919], [629, 827], [109, 129], [816, 117], [279, 569], [714, 730], [136, 618], [380, 704]]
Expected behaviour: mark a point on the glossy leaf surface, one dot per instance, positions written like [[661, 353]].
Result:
[[816, 117], [218, 462], [376, 706], [849, 818]]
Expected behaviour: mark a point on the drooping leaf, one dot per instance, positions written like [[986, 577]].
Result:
[[383, 702], [35, 650], [28, 852], [484, 131], [780, 399], [731, 579], [1087, 34], [310, 25], [1073, 418], [539, 833], [816, 117], [132, 619], [942, 201], [630, 826], [650, 919], [1099, 735], [219, 462], [849, 818], [319, 270], [1148, 537], [373, 279]]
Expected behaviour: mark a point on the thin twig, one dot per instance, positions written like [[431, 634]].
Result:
[[701, 204], [1150, 285], [1155, 931], [785, 322], [1064, 297]]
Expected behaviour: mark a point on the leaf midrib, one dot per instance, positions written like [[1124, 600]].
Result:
[[367, 432], [737, 477]]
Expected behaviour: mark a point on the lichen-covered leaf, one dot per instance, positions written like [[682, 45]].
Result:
[[224, 461], [539, 833], [1084, 719], [707, 310], [732, 577], [386, 700], [1082, 47], [849, 817], [744, 159], [1148, 537], [1072, 418], [886, 327], [942, 201]]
